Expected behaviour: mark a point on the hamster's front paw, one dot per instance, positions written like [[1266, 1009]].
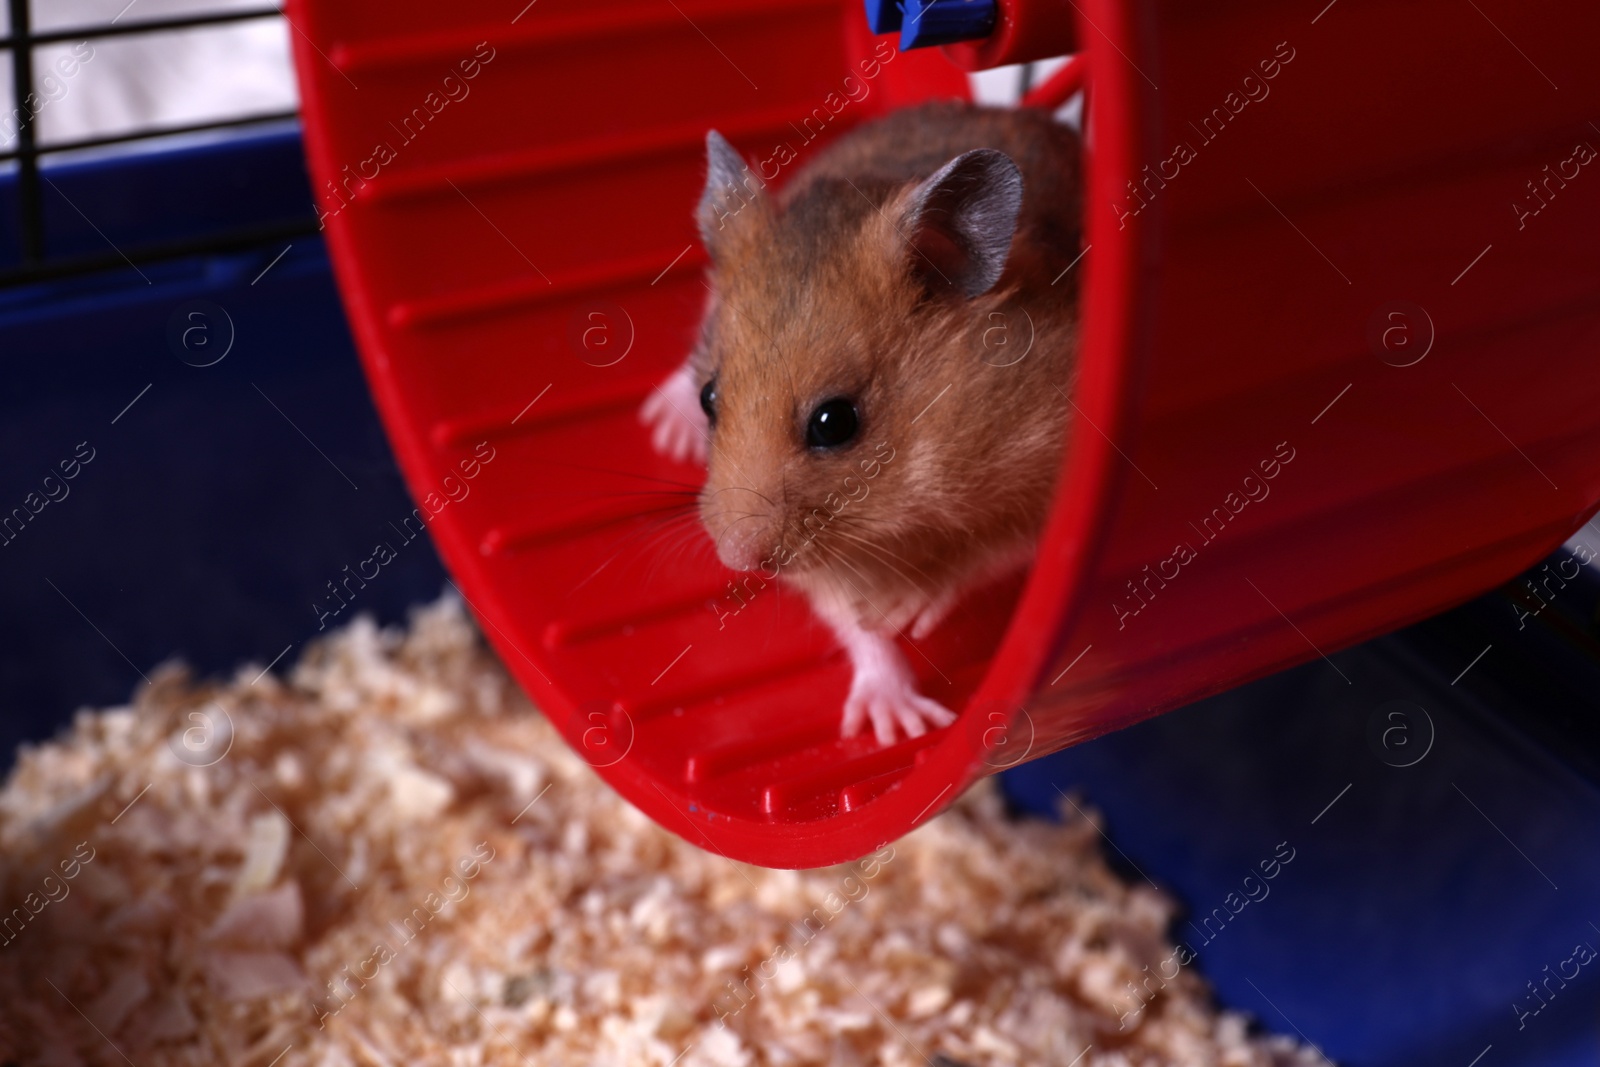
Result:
[[928, 619], [888, 699], [678, 426]]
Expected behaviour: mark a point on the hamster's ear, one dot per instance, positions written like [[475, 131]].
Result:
[[731, 186], [960, 222]]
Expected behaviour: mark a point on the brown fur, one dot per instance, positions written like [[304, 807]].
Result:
[[813, 297]]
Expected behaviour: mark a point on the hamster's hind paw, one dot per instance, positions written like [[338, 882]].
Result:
[[678, 425], [889, 701]]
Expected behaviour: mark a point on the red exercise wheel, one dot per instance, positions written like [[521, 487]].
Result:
[[1341, 319]]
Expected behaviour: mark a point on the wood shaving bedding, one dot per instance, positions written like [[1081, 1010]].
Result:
[[390, 858]]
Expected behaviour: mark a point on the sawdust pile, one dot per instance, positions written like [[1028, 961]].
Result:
[[390, 858]]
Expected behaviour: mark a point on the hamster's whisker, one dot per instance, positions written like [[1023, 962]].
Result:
[[745, 489], [845, 562], [683, 497], [887, 557], [655, 548], [672, 545], [833, 552], [657, 521], [866, 524], [864, 521], [626, 474], [742, 518]]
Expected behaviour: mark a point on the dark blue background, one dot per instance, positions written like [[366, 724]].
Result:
[[207, 525], [1420, 904]]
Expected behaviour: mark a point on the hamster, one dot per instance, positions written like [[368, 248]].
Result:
[[878, 386]]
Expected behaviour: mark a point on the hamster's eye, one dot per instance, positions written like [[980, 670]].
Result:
[[833, 423], [708, 399]]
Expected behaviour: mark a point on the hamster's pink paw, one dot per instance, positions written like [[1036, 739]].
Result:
[[891, 702], [678, 426]]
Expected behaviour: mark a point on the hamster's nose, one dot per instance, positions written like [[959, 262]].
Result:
[[741, 523], [741, 547]]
